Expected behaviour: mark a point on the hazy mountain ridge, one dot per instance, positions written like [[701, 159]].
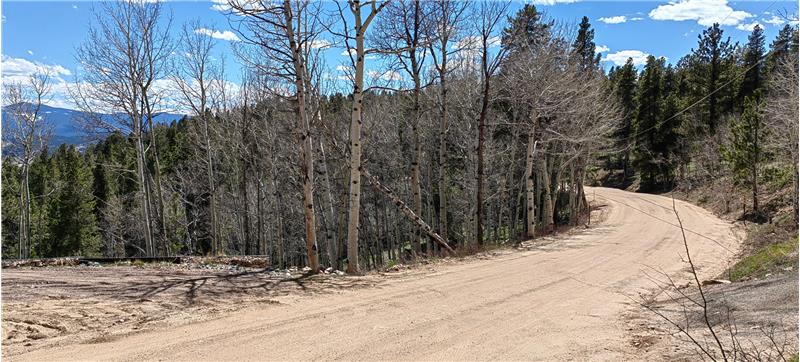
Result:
[[66, 125]]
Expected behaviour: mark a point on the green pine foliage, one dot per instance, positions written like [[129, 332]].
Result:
[[753, 64], [745, 152], [584, 46], [72, 223]]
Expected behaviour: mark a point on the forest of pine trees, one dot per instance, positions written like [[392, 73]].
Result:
[[478, 144]]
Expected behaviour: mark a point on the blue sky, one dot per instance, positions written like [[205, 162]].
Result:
[[46, 33]]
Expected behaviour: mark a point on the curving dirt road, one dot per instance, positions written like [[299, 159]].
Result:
[[561, 299]]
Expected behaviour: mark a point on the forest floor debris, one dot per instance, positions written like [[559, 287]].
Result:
[[757, 312]]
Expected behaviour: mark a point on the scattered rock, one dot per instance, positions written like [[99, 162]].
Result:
[[715, 281]]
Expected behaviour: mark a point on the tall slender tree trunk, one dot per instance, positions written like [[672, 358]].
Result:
[[25, 211], [355, 151], [141, 168], [212, 203], [330, 220], [547, 204], [245, 204], [530, 192], [796, 188], [479, 171], [157, 176], [416, 188], [443, 130], [411, 38], [754, 165], [305, 142]]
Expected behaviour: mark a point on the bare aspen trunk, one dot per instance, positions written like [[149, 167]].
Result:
[[530, 191], [245, 204], [547, 209], [443, 150], [355, 149], [157, 172], [479, 172], [305, 142], [329, 220], [259, 215], [416, 188], [140, 165], [25, 212], [211, 185], [573, 196]]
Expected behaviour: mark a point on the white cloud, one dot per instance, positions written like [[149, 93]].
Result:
[[344, 68], [220, 5], [749, 27], [353, 52], [30, 52], [619, 58], [20, 70], [637, 18], [614, 19], [774, 20], [216, 34], [552, 2], [705, 12], [320, 44], [13, 67], [601, 49], [389, 75]]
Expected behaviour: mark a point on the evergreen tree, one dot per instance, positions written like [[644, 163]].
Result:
[[784, 45], [752, 63], [713, 60], [526, 29], [43, 181], [73, 225], [584, 46], [625, 90], [745, 151], [647, 117], [11, 208], [667, 144]]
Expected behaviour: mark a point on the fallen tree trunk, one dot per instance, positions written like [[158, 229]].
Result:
[[415, 219]]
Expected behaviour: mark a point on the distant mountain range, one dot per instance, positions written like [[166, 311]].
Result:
[[66, 128]]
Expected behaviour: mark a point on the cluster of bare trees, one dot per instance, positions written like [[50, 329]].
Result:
[[473, 129], [28, 134]]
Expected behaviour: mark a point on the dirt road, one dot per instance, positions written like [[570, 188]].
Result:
[[562, 299]]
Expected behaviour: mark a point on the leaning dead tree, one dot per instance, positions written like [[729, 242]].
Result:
[[416, 219], [29, 133], [401, 32]]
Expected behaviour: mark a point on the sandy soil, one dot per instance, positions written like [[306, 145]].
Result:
[[562, 298]]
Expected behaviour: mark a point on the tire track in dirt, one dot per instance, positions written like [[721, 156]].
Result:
[[563, 299]]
